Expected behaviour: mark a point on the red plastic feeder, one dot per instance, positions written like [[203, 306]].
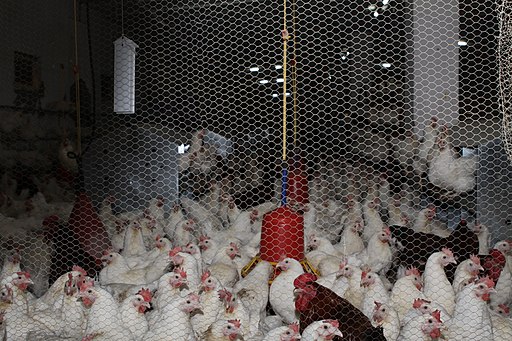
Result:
[[297, 187], [282, 235]]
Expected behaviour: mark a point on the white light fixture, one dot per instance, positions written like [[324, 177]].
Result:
[[263, 81], [343, 57], [386, 65], [279, 67], [124, 76], [385, 2], [288, 94], [462, 43], [280, 80], [254, 69], [375, 14], [275, 95]]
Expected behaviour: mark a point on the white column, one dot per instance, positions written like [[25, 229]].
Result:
[[436, 61]]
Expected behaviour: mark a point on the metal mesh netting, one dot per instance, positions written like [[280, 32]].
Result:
[[155, 186]]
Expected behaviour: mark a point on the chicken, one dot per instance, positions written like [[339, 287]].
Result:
[[471, 319], [284, 333], [448, 171], [351, 241], [101, 304], [223, 266], [321, 331], [253, 291], [425, 327], [373, 221], [378, 255], [501, 323], [212, 305], [421, 307], [170, 286], [385, 316], [405, 291], [175, 320], [315, 302], [281, 295], [224, 330], [234, 309], [437, 287], [484, 238], [467, 269], [132, 313], [175, 216], [133, 240], [374, 290], [354, 292], [189, 265]]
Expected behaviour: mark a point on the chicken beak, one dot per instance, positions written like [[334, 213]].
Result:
[[338, 332], [146, 304]]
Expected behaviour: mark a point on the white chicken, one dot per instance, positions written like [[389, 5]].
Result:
[[437, 287], [448, 171], [224, 330], [253, 291], [281, 295], [284, 333], [321, 331], [471, 319], [425, 327], [383, 315], [223, 266], [467, 269], [212, 305], [101, 304], [405, 291], [374, 291], [132, 313]]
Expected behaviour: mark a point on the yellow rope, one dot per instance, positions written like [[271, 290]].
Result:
[[77, 85], [285, 47], [294, 75]]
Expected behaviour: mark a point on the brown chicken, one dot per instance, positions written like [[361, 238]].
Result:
[[315, 302]]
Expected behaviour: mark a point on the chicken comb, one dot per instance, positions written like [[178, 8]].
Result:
[[146, 294], [412, 271], [364, 273], [224, 294], [419, 302], [343, 263], [203, 238], [78, 268], [334, 323], [236, 323], [175, 251], [294, 326], [505, 308], [181, 272], [302, 280], [158, 237], [487, 281], [447, 251], [107, 251], [23, 273], [437, 315], [475, 259], [206, 274], [387, 230], [377, 304]]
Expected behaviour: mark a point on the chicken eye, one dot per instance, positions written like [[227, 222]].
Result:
[[383, 309], [209, 281], [288, 332], [444, 257], [89, 291], [425, 307], [188, 302], [415, 278], [286, 262], [229, 327], [138, 299], [326, 327]]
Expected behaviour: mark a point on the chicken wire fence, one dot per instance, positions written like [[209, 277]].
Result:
[[223, 148]]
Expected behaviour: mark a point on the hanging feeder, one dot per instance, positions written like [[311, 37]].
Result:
[[282, 231], [124, 75]]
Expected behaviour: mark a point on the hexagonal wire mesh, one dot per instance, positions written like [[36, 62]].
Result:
[[387, 156]]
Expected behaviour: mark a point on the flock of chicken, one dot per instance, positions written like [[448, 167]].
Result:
[[386, 270]]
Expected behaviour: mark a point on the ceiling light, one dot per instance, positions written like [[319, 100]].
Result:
[[385, 2], [279, 67], [462, 43], [254, 69], [275, 95], [263, 81], [386, 65], [280, 80]]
